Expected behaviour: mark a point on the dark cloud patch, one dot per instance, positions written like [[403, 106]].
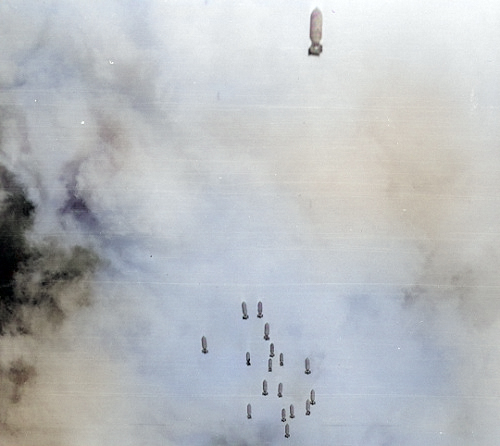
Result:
[[41, 284], [14, 378], [456, 284], [18, 374], [77, 206], [38, 282], [50, 285], [76, 203], [16, 217]]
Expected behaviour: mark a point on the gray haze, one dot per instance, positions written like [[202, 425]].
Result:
[[163, 161]]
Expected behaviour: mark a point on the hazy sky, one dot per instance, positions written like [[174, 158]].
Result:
[[163, 161]]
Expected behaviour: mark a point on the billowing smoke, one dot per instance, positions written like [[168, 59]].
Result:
[[42, 284], [161, 163]]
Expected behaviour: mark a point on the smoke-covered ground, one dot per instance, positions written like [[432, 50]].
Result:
[[161, 162]]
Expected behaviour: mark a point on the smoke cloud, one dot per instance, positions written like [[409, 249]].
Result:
[[161, 163]]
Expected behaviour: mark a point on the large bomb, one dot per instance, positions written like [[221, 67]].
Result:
[[315, 33]]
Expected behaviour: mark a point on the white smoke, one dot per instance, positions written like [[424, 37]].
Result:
[[193, 157]]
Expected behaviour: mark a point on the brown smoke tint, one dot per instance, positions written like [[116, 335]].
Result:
[[41, 284]]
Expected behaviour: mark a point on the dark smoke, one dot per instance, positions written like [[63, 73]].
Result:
[[51, 283], [76, 204], [13, 379], [41, 284], [16, 218], [35, 279]]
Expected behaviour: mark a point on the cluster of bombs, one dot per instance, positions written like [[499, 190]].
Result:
[[312, 397]]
